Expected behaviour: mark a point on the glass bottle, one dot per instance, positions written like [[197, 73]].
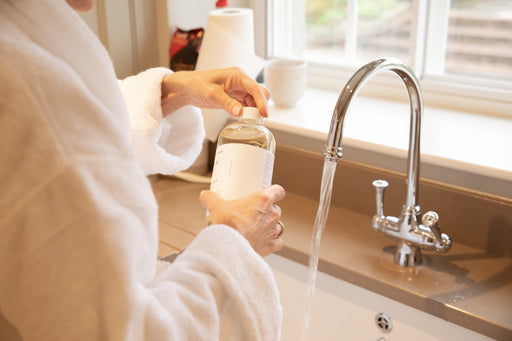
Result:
[[244, 160]]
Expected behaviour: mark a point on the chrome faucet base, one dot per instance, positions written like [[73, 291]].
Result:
[[406, 229], [412, 236], [407, 255]]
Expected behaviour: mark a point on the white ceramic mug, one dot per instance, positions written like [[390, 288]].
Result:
[[286, 81]]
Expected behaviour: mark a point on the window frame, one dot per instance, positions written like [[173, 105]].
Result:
[[465, 94]]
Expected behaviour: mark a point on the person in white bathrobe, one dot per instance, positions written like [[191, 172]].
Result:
[[78, 219]]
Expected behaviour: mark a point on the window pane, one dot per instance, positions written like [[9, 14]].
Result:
[[326, 30], [384, 29], [354, 32], [479, 39]]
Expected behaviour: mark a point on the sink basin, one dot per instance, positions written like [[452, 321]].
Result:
[[343, 311]]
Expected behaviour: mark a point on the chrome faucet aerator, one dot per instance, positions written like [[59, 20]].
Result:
[[406, 229]]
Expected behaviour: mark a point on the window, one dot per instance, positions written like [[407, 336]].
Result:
[[352, 32], [461, 46], [479, 39]]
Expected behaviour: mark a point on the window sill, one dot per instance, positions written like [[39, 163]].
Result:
[[462, 149]]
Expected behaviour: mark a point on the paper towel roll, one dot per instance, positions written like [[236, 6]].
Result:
[[228, 41]]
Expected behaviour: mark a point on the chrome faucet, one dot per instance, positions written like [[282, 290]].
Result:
[[406, 229]]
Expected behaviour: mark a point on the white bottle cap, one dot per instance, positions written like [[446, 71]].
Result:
[[251, 113]]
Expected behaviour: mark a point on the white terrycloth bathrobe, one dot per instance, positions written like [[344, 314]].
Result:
[[78, 219]]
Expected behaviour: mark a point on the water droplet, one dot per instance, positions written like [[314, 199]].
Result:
[[457, 298]]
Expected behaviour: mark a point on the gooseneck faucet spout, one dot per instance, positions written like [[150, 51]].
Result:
[[410, 234], [333, 147]]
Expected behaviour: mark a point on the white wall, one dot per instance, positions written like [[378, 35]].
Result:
[[194, 13], [137, 33]]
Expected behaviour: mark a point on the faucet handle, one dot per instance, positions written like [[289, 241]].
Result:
[[380, 187], [431, 220]]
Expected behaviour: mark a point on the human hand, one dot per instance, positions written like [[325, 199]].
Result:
[[229, 89], [255, 216]]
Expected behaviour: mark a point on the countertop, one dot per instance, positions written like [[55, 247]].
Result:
[[466, 286]]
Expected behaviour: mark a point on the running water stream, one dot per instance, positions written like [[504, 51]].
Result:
[[321, 218]]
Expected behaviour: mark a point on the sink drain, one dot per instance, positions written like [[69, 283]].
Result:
[[383, 322]]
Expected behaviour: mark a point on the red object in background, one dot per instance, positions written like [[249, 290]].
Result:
[[221, 3], [184, 49], [181, 38]]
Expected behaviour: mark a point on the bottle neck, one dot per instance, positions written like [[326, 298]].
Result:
[[251, 115]]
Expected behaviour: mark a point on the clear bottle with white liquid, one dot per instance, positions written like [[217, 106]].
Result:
[[244, 160]]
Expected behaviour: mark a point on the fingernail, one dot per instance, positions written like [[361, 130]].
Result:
[[236, 110]]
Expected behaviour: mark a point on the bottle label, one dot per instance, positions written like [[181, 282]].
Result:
[[241, 169]]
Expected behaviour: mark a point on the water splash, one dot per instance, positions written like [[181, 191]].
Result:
[[321, 218]]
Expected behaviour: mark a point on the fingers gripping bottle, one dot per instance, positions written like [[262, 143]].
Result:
[[244, 160]]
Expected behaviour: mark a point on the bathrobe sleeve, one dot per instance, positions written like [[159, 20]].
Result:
[[163, 145], [203, 274]]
